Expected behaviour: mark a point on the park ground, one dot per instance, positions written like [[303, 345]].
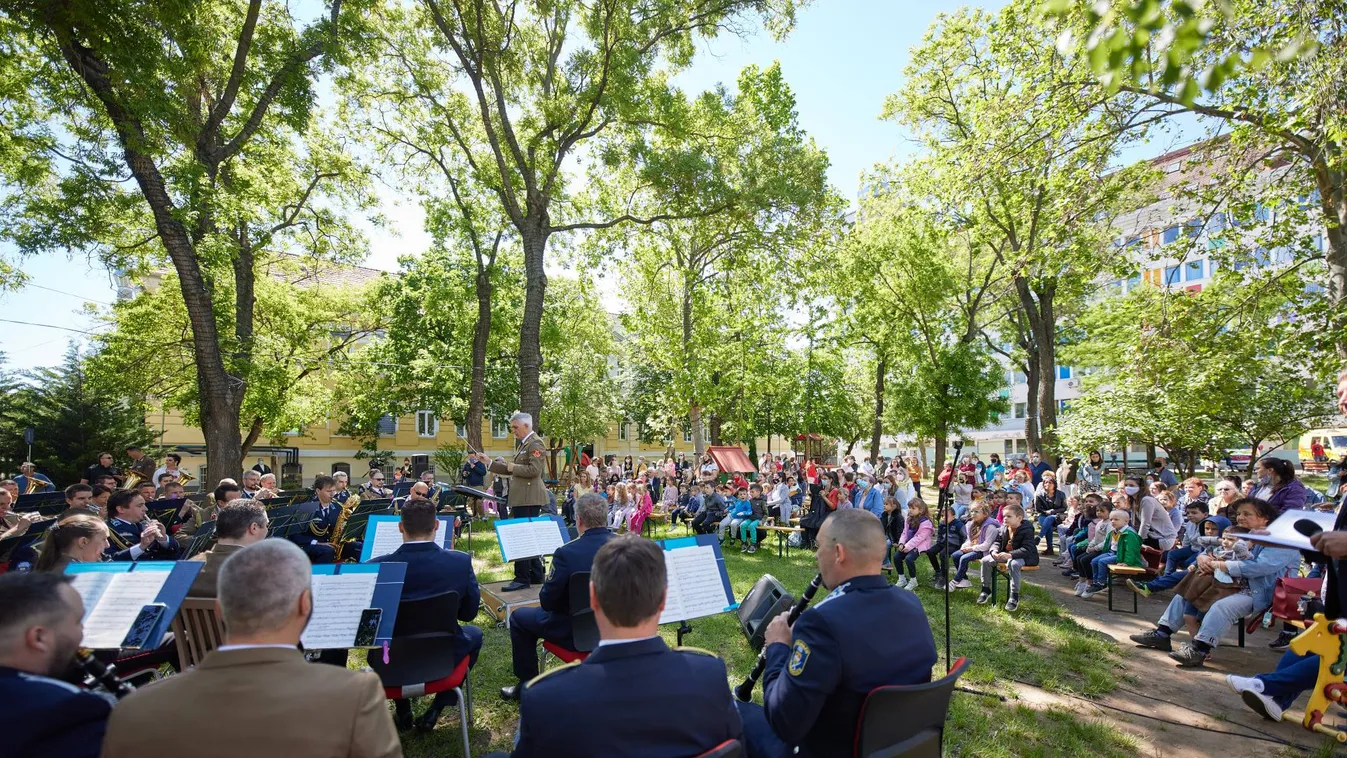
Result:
[[1073, 683]]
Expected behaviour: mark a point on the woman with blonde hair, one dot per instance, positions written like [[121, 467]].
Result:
[[80, 538]]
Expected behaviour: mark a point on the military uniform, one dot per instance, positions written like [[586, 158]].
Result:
[[672, 703], [46, 717], [527, 495], [551, 620], [342, 496], [124, 544], [841, 649], [319, 541]]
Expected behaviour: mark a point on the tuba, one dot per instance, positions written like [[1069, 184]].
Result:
[[34, 484], [184, 478], [133, 480]]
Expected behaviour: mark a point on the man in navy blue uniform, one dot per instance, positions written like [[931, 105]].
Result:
[[432, 570], [820, 670], [551, 621], [318, 542], [665, 702], [131, 536], [39, 633]]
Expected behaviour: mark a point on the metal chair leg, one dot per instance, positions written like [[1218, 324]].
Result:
[[463, 718]]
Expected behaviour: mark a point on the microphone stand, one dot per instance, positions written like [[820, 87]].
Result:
[[941, 501]]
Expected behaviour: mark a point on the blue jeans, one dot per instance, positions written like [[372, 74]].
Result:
[[760, 741], [1294, 675], [962, 561], [1166, 582], [1046, 526], [1178, 558], [1099, 567]]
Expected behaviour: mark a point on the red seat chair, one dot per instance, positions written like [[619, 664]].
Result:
[[907, 721], [421, 656], [726, 749], [584, 629]]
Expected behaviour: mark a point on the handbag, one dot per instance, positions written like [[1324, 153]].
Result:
[[1202, 590], [1286, 596]]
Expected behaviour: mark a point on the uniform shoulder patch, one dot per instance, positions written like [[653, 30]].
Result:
[[697, 650], [550, 672], [799, 656], [537, 453]]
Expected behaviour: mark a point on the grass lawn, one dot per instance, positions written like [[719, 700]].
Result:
[[1039, 644]]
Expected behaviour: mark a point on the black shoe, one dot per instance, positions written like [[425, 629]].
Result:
[[1013, 603], [1153, 639], [426, 722], [402, 714], [984, 596], [1283, 641], [510, 692], [515, 586], [1189, 656]]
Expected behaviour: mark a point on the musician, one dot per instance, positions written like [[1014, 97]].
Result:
[[432, 570], [149, 490], [10, 486], [373, 488], [131, 536], [14, 524], [185, 516], [140, 463], [527, 495], [171, 463], [820, 670], [318, 542], [343, 484], [473, 474], [255, 696], [268, 482], [225, 493], [103, 467], [239, 524], [252, 483], [551, 621], [39, 633], [77, 537], [78, 496], [29, 479], [99, 499], [672, 702]]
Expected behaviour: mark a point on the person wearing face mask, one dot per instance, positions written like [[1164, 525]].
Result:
[[1036, 468], [1277, 484], [871, 498]]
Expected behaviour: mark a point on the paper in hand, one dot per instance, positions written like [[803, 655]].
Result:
[[1294, 528]]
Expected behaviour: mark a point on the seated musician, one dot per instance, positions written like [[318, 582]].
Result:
[[319, 541], [551, 620], [99, 499], [269, 486], [131, 536], [39, 633], [343, 483], [76, 537], [255, 695], [149, 490], [10, 486], [239, 524], [252, 483], [172, 491], [432, 570], [653, 701], [820, 670], [78, 496], [13, 524], [373, 488]]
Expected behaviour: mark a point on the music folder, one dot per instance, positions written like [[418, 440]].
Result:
[[699, 584], [114, 594], [382, 536], [348, 595], [534, 537]]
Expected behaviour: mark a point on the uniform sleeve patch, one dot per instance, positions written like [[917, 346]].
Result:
[[799, 656]]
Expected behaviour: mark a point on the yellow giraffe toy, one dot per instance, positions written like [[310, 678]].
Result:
[[1327, 640]]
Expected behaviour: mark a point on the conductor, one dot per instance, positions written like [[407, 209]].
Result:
[[527, 495]]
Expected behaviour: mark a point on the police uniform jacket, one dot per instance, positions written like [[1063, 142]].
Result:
[[670, 703], [432, 570], [526, 473], [321, 527], [46, 718], [574, 557], [841, 649], [124, 544]]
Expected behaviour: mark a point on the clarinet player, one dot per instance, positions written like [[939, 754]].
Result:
[[820, 669]]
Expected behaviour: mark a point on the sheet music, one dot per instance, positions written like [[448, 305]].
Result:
[[91, 585], [338, 601], [387, 538], [529, 539], [1282, 531], [695, 586], [117, 607]]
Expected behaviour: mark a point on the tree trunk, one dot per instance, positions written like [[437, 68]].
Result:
[[481, 334], [1031, 429], [530, 330], [1037, 306], [1333, 204], [694, 409], [717, 427], [881, 368], [941, 442], [695, 424]]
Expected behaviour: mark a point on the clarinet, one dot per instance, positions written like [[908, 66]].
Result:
[[745, 690], [99, 674]]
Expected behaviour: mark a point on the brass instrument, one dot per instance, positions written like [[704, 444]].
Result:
[[184, 478], [34, 484], [337, 530], [133, 480]]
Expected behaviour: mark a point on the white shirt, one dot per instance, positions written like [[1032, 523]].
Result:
[[227, 648], [624, 642]]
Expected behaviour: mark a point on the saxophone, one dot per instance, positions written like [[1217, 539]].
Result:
[[346, 509]]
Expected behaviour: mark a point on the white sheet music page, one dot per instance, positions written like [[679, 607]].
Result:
[[338, 601], [387, 538], [91, 585], [106, 626], [695, 588], [529, 539], [546, 536]]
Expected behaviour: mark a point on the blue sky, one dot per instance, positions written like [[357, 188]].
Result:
[[842, 59]]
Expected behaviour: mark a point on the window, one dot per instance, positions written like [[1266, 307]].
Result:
[[1170, 235], [427, 425], [1193, 271], [622, 431], [1021, 378], [1063, 406], [341, 466], [499, 429], [291, 432], [1063, 372], [687, 434], [460, 430], [1133, 283], [1021, 410], [1171, 274], [706, 433], [1010, 448], [1022, 447], [388, 425]]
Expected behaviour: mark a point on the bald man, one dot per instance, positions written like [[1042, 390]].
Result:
[[820, 670]]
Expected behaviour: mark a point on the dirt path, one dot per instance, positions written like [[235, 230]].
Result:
[[1197, 697]]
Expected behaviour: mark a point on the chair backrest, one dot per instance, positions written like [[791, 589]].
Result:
[[726, 749], [1151, 557], [428, 617], [197, 630], [584, 629], [906, 720]]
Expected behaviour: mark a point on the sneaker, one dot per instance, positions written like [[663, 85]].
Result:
[[886, 567], [962, 584], [1092, 590], [1069, 572], [1140, 588], [912, 584], [1013, 603], [1283, 641], [743, 548], [937, 584], [1189, 656], [1154, 639], [1251, 691], [985, 596], [752, 549], [1081, 587]]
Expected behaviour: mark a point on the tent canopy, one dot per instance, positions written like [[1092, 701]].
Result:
[[731, 459]]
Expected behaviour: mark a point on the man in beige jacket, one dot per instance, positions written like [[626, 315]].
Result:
[[256, 696]]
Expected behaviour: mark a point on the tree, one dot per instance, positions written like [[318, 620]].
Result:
[[539, 93], [1021, 146], [209, 110], [579, 390], [73, 419]]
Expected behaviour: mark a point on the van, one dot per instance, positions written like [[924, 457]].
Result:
[[1333, 441]]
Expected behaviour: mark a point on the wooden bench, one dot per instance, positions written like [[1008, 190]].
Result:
[[1119, 569], [1002, 569], [649, 524], [782, 536]]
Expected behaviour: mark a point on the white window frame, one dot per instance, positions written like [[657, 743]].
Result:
[[461, 430], [499, 429], [427, 425], [687, 434], [622, 431]]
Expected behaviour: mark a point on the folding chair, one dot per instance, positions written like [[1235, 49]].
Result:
[[906, 721], [584, 629], [726, 749]]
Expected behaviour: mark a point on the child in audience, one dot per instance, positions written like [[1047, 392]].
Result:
[[687, 509], [740, 509], [748, 528], [916, 539], [892, 521], [644, 507], [951, 534], [621, 507], [1017, 548], [1230, 548], [1124, 548]]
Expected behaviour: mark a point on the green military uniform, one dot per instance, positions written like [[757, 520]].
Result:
[[527, 495]]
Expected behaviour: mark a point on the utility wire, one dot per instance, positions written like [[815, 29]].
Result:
[[48, 326], [69, 294]]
